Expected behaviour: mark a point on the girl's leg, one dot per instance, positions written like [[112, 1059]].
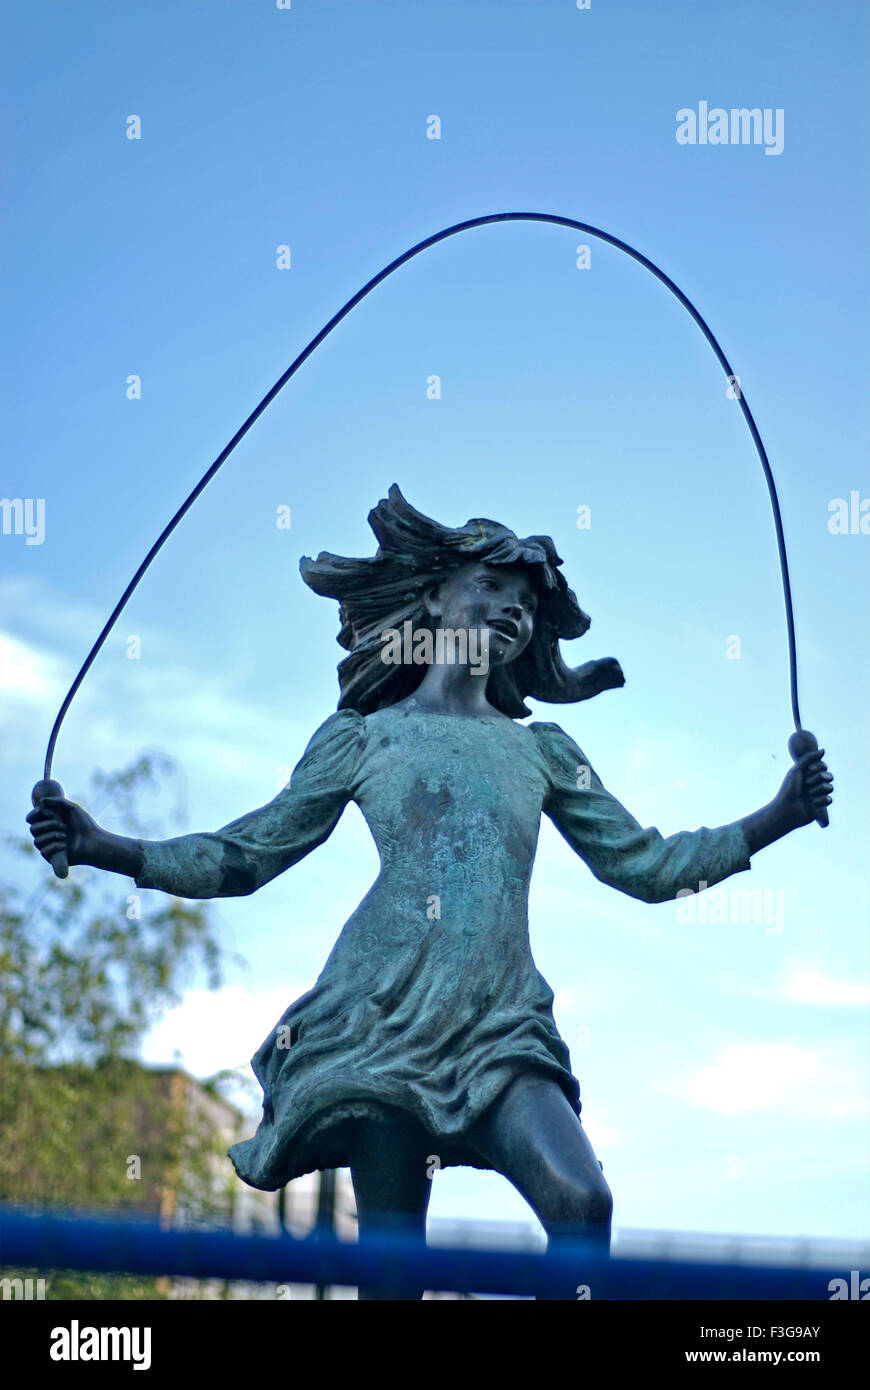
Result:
[[388, 1168], [532, 1136]]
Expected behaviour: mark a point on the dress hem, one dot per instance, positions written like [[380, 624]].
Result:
[[323, 1140]]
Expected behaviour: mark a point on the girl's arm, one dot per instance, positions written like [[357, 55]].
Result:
[[243, 855], [226, 863], [643, 863]]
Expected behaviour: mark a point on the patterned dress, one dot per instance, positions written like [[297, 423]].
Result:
[[430, 1002]]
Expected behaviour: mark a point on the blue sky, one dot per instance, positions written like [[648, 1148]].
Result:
[[723, 1066]]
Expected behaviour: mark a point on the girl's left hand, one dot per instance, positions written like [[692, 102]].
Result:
[[806, 790]]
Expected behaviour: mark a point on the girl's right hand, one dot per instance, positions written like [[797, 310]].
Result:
[[58, 824]]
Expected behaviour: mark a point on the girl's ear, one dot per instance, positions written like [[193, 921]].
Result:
[[432, 601]]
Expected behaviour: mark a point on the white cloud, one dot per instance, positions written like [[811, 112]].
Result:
[[603, 1137], [803, 985], [812, 987], [231, 745], [28, 674], [768, 1076], [53, 615], [217, 1029]]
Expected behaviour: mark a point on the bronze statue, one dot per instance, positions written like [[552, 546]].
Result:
[[429, 1037]]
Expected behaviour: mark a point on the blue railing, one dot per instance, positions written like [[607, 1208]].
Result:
[[39, 1239]]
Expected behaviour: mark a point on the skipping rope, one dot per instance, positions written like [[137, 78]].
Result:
[[801, 741]]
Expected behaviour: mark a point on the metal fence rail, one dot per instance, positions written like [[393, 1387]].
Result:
[[58, 1240]]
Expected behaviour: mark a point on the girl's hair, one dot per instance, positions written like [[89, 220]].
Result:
[[387, 589]]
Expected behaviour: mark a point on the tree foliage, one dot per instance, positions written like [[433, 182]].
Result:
[[87, 965]]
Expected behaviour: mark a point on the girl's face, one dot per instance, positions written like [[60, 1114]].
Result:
[[501, 598]]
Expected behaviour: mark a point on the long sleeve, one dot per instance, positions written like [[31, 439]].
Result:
[[250, 851], [619, 851]]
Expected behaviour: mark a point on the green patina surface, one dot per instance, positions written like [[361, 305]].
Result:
[[430, 1002]]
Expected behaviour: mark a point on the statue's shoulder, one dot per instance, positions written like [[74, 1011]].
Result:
[[550, 735], [341, 733], [558, 748], [342, 721]]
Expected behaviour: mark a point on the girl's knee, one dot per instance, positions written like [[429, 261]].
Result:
[[578, 1200]]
